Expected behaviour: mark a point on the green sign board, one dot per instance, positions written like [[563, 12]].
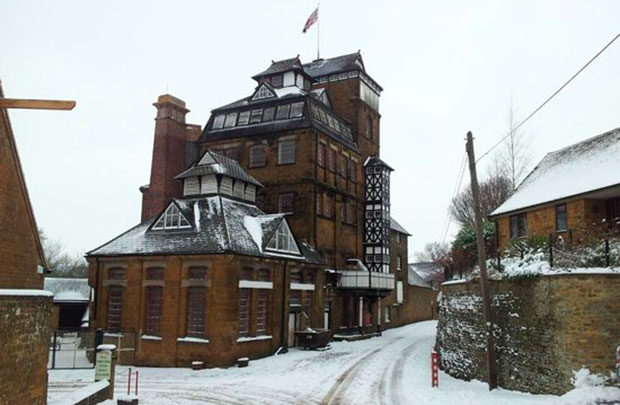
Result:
[[103, 366]]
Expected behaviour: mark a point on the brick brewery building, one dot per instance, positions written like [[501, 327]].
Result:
[[273, 218]]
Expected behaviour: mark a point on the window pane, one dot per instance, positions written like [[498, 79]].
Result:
[[257, 156], [244, 118], [264, 275], [268, 114], [283, 111], [231, 120], [297, 110], [276, 81], [256, 116], [116, 273], [285, 202], [244, 311], [261, 311], [155, 273], [218, 121], [196, 311], [561, 220], [115, 308], [197, 273], [153, 311], [286, 152], [321, 155]]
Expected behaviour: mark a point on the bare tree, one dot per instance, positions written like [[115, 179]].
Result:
[[493, 191], [516, 157], [434, 252], [60, 262]]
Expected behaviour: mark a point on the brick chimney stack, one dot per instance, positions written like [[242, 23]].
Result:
[[173, 150]]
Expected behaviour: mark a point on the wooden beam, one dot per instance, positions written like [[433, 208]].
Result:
[[37, 104]]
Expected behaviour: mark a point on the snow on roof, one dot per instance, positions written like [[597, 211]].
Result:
[[395, 226], [429, 271], [584, 167], [337, 64], [68, 289], [218, 164], [224, 227], [414, 279]]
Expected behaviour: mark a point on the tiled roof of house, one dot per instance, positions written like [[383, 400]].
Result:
[[218, 225], [218, 164], [68, 289], [584, 167]]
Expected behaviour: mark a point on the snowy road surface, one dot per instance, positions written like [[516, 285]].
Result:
[[391, 369]]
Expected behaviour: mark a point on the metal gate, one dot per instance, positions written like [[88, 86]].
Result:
[[76, 349]]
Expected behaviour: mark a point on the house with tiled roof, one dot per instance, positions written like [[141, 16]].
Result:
[[569, 193]]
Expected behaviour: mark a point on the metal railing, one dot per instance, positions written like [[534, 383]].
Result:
[[71, 350], [359, 279]]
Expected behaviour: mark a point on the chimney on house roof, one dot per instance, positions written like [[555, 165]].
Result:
[[172, 147]]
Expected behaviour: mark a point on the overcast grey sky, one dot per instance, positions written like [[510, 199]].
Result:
[[446, 66]]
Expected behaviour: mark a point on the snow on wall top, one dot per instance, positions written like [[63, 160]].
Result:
[[580, 168], [68, 289], [221, 229]]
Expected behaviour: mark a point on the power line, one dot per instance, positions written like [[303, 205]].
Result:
[[457, 188], [549, 99]]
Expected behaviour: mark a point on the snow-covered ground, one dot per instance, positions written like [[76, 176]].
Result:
[[391, 369]]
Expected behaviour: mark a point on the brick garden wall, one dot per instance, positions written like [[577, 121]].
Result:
[[546, 328], [24, 333]]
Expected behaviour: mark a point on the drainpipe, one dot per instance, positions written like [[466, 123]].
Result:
[[284, 330]]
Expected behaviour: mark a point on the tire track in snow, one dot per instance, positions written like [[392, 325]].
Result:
[[340, 387]]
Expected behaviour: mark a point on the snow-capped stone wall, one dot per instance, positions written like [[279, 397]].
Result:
[[545, 328], [24, 341]]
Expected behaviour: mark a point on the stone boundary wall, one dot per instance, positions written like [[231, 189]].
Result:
[[24, 339], [546, 327]]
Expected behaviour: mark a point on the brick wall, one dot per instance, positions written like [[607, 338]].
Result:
[[19, 253], [581, 214], [547, 327], [24, 333], [221, 313]]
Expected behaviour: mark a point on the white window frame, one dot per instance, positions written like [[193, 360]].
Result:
[[274, 243], [168, 216]]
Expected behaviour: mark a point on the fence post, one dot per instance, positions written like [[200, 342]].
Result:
[[54, 351], [551, 250], [607, 258]]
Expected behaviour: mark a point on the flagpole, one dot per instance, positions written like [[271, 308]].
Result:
[[318, 30]]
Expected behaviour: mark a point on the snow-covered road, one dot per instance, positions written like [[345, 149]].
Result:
[[391, 369]]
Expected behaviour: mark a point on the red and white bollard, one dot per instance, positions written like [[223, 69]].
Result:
[[435, 368]]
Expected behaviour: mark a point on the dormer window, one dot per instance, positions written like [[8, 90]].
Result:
[[172, 219], [283, 241], [263, 92]]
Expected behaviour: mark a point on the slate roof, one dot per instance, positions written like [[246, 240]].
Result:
[[414, 279], [222, 165], [307, 120], [428, 271], [398, 227], [67, 290], [338, 64], [218, 226], [281, 66], [375, 161], [584, 167]]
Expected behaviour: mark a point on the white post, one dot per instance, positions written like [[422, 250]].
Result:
[[361, 312]]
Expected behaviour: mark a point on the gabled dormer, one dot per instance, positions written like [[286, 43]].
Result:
[[285, 73], [263, 91], [172, 218], [215, 174], [283, 241]]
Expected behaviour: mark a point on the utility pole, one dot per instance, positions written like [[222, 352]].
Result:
[[484, 282]]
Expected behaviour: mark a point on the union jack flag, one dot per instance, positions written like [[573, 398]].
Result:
[[314, 17]]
